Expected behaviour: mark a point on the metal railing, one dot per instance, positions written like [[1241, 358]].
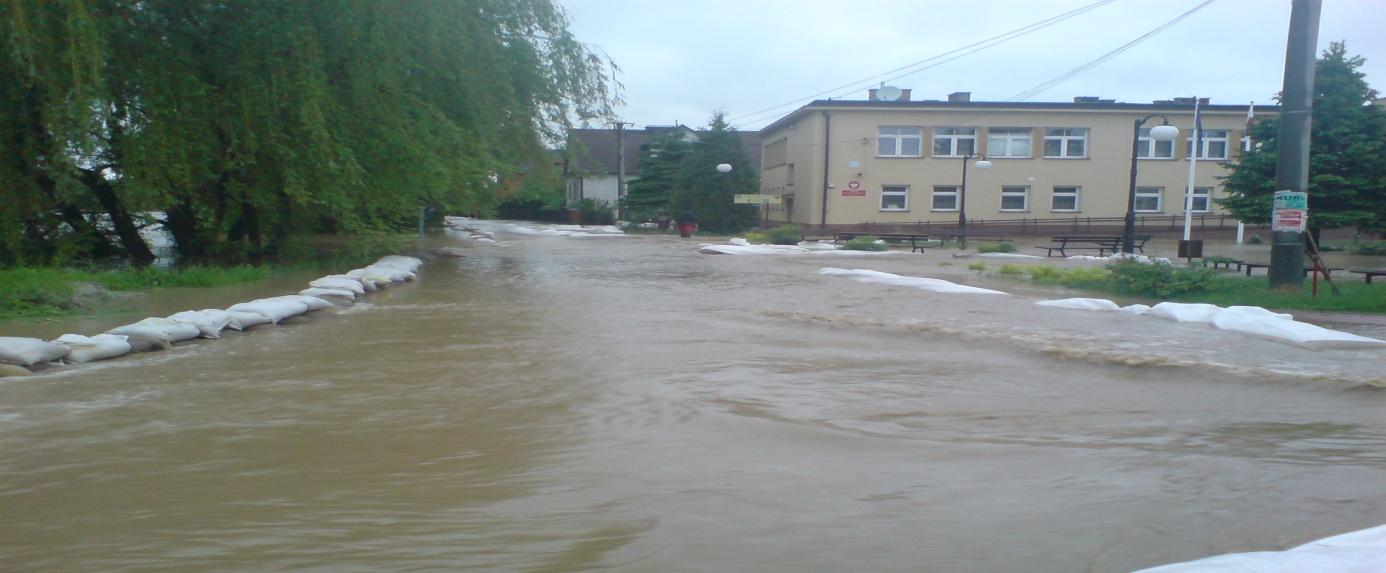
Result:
[[1039, 226]]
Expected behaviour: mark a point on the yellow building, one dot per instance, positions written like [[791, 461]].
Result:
[[846, 163]]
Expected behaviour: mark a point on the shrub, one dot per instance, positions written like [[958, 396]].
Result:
[[1254, 239], [756, 238], [1001, 247], [1219, 259], [1077, 277], [864, 243], [783, 235], [1370, 249], [1160, 279], [596, 212], [978, 266], [1011, 270]]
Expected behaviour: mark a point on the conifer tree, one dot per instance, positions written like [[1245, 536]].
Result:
[[700, 188]]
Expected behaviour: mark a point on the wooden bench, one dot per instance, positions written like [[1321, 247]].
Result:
[[1369, 273], [1100, 243], [1229, 265], [1328, 272], [917, 241]]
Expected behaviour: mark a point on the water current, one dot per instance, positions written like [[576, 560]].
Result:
[[627, 404]]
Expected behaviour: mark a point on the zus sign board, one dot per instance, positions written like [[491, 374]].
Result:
[[1290, 212], [854, 189], [756, 199]]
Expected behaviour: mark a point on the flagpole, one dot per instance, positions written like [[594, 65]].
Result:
[[1194, 150]]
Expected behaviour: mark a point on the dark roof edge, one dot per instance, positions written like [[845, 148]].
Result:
[[830, 104]]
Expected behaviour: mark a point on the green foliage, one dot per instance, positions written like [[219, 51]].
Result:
[[1074, 277], [1370, 249], [1011, 270], [660, 164], [998, 247], [1347, 163], [596, 212], [1160, 279], [783, 235], [1219, 259], [864, 243], [978, 266], [701, 189], [757, 238], [42, 291]]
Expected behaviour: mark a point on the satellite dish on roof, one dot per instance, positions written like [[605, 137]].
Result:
[[889, 93]]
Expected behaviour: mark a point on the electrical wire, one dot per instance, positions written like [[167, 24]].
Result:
[[1042, 86], [956, 53]]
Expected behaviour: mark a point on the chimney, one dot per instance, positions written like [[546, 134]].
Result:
[[960, 97], [1086, 99], [1190, 101], [905, 94], [871, 94]]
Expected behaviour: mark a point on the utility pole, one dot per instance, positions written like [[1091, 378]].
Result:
[[620, 171], [1296, 113]]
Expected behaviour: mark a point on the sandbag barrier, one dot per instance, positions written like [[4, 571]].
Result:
[[21, 356]]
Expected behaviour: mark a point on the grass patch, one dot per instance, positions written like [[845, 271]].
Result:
[[1370, 249], [783, 235], [1011, 270], [1000, 247], [864, 243], [48, 291], [978, 266]]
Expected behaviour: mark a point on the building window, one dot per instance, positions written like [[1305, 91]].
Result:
[[1008, 142], [1214, 144], [1065, 199], [1065, 142], [1148, 199], [1201, 199], [954, 141], [945, 199], [789, 174], [1015, 198], [1148, 148], [899, 141], [895, 198]]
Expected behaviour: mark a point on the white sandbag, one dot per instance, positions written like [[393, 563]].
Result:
[[29, 351], [160, 329], [244, 320], [274, 310], [1258, 321], [1361, 551], [366, 283], [392, 274], [311, 302], [1186, 312], [1080, 303], [410, 264], [1136, 309], [351, 284], [326, 292], [924, 283], [363, 275], [739, 242], [209, 322], [100, 347]]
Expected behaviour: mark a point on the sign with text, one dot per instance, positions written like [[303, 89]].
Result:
[[854, 189], [756, 199], [1290, 212]]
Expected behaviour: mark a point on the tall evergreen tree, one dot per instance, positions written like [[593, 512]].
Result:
[[1347, 159], [700, 188], [660, 163]]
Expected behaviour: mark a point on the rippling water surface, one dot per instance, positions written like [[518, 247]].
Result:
[[628, 404]]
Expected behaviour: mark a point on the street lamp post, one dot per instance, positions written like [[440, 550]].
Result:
[[723, 168], [982, 164], [1162, 132]]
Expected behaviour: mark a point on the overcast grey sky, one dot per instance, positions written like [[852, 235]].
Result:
[[682, 59]]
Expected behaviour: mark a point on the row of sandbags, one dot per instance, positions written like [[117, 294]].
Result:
[[19, 356]]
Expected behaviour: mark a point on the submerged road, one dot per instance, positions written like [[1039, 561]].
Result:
[[627, 404]]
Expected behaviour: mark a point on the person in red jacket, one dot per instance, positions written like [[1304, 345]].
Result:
[[688, 224]]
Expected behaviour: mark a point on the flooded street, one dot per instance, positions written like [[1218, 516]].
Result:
[[627, 404]]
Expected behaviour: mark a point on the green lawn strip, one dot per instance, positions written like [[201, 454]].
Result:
[[48, 291]]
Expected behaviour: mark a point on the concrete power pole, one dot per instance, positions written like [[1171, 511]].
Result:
[[1296, 113], [620, 171]]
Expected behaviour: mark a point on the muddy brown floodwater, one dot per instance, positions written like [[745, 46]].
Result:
[[627, 404]]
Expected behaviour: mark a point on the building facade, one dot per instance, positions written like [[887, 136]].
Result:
[[849, 163]]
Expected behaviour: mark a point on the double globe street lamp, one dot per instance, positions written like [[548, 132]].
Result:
[[1160, 133]]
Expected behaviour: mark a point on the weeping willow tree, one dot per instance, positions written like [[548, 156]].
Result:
[[245, 123]]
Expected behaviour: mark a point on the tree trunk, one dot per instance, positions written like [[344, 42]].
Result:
[[125, 228]]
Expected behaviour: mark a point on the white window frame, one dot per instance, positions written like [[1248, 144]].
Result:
[[1204, 193], [954, 136], [897, 135], [1207, 142], [1008, 136], [1065, 137], [1011, 190], [895, 190], [944, 191], [1076, 193], [1147, 192], [1148, 148]]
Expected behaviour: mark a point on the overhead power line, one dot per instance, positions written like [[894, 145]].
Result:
[[1041, 87], [956, 53]]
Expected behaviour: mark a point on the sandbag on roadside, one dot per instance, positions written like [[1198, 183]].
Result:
[[366, 283], [10, 370], [312, 302], [380, 282], [274, 310], [386, 274], [29, 351], [209, 322], [159, 328], [346, 283], [410, 264], [99, 347], [140, 344], [345, 295]]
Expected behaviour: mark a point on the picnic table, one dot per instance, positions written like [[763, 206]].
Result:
[[1369, 273], [917, 240], [1327, 272], [1100, 243]]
